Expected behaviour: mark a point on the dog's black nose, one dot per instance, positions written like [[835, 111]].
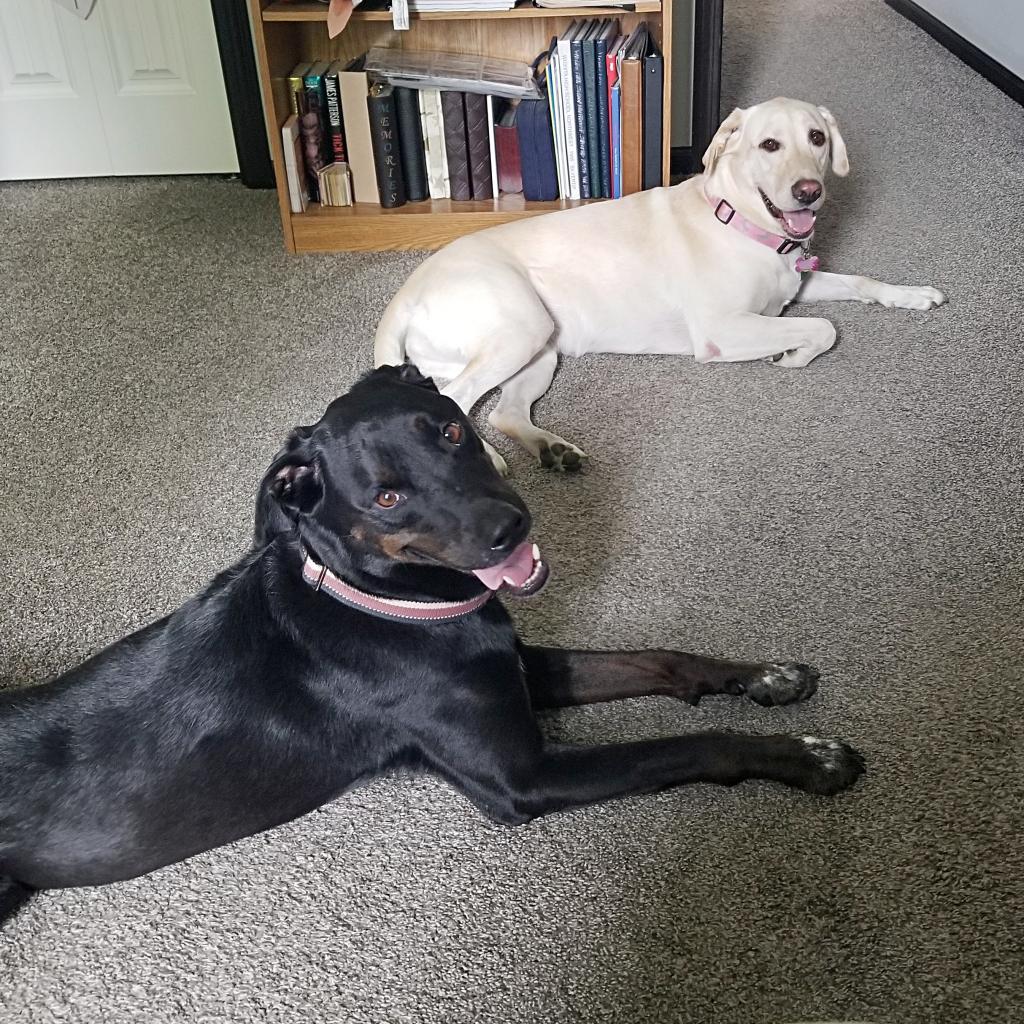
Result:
[[807, 191], [508, 527]]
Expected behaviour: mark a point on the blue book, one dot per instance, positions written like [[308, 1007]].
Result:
[[580, 109], [604, 39], [616, 141], [589, 48]]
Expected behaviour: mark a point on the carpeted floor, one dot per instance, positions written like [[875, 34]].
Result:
[[863, 514]]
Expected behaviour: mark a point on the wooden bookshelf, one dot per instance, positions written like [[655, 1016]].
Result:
[[286, 33]]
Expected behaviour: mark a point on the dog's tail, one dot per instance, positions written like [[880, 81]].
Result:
[[13, 896], [389, 345]]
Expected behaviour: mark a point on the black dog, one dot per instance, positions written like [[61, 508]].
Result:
[[356, 635]]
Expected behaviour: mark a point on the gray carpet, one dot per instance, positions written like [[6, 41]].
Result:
[[863, 514]]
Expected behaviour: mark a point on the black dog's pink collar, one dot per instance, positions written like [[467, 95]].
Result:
[[319, 577]]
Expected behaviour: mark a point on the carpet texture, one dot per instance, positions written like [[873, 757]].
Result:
[[863, 514]]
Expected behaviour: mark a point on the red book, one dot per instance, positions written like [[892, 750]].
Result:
[[506, 148]]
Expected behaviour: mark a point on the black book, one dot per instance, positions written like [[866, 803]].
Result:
[[654, 85], [605, 39], [386, 152], [410, 143], [456, 149], [591, 109], [335, 130], [580, 108]]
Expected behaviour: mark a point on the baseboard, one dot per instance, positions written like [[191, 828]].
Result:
[[1001, 77]]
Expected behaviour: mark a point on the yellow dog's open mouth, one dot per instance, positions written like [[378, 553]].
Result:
[[798, 223]]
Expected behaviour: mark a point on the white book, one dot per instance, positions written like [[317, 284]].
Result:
[[572, 155], [294, 165], [432, 124], [490, 142], [555, 105]]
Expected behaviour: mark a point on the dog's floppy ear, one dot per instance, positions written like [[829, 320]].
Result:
[[408, 373], [840, 160], [293, 485], [721, 138], [405, 373]]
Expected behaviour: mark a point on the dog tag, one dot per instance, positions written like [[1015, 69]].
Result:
[[807, 262]]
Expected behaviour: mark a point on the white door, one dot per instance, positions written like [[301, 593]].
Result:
[[135, 88]]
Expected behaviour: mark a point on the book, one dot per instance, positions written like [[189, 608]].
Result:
[[631, 116], [601, 43], [537, 149], [478, 145], [455, 146], [294, 165], [567, 113], [386, 152], [410, 143], [506, 148], [297, 83], [612, 73], [312, 153], [580, 107], [354, 86], [335, 129], [335, 185], [555, 108], [615, 140], [432, 126], [491, 114], [316, 97], [654, 86], [589, 49]]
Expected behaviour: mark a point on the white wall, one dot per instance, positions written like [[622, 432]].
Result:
[[994, 26]]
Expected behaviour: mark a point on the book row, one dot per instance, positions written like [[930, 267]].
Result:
[[593, 131]]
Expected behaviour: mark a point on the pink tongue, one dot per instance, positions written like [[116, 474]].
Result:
[[800, 222], [515, 569]]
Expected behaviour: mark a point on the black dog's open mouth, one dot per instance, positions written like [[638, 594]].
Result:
[[522, 574], [798, 223]]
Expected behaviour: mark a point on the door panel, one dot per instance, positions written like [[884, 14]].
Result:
[[50, 122], [136, 88]]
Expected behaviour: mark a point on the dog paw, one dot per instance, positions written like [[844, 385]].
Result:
[[559, 456], [827, 766], [784, 682], [499, 463], [913, 298]]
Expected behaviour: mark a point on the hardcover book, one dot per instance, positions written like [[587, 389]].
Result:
[[297, 83], [432, 124], [478, 144], [294, 165], [354, 85], [309, 127], [386, 151], [410, 143], [316, 98], [455, 146], [335, 129], [654, 87]]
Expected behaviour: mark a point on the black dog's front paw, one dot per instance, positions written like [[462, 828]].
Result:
[[825, 766], [783, 682]]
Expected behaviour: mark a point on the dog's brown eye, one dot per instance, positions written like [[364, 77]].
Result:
[[771, 145], [388, 499], [453, 433], [817, 137]]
